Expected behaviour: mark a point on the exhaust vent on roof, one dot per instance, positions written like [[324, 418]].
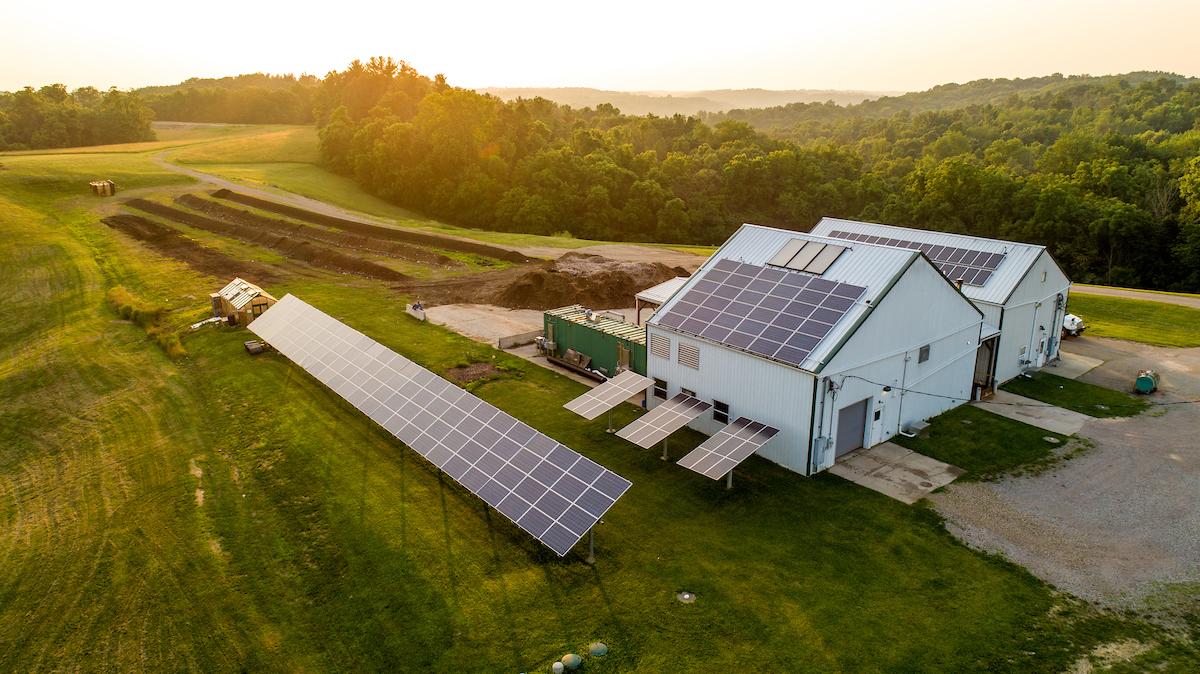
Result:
[[813, 257]]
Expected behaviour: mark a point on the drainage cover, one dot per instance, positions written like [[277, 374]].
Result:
[[686, 597]]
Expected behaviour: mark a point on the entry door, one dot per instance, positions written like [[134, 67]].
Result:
[[852, 426], [622, 358]]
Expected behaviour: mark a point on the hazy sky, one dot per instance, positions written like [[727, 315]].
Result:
[[611, 44]]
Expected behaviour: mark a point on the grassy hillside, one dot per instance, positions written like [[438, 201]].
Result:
[[224, 512]]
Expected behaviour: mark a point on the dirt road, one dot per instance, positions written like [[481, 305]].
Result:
[[1181, 300]]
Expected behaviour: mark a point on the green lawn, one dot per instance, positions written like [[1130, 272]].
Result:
[[1142, 321], [226, 512], [986, 445], [1089, 399]]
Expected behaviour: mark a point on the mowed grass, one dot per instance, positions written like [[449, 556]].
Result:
[[1144, 321], [985, 445], [1089, 399], [226, 512]]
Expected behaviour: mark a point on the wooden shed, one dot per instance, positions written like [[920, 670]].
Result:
[[240, 301]]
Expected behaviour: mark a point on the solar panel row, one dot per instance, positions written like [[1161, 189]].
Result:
[[974, 267], [550, 491], [731, 445], [778, 314], [609, 394], [655, 425]]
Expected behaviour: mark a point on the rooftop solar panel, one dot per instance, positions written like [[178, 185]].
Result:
[[778, 314], [731, 445], [545, 488], [974, 267], [609, 394], [655, 425]]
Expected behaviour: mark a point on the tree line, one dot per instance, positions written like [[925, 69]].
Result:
[[54, 117], [1105, 173], [245, 99]]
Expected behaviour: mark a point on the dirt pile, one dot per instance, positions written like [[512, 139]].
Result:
[[473, 372], [574, 278], [313, 254], [173, 244], [402, 251], [375, 231]]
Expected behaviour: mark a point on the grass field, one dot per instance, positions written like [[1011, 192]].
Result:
[[1154, 323], [1089, 399], [985, 445], [225, 512]]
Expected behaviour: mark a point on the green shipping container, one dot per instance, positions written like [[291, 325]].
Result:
[[610, 343]]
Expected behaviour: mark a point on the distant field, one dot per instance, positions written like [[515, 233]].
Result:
[[1144, 321], [224, 512]]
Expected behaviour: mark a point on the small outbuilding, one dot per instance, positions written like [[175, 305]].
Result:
[[240, 302], [581, 339], [656, 296]]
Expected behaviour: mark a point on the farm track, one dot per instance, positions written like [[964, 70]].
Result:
[[375, 231], [173, 244], [402, 251], [313, 254]]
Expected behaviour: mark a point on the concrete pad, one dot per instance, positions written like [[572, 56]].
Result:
[[1072, 365], [895, 471], [1034, 412]]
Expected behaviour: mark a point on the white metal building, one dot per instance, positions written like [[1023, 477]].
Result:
[[873, 329], [1023, 300]]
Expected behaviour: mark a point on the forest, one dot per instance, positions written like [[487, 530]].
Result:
[[1103, 171], [54, 117], [245, 99]]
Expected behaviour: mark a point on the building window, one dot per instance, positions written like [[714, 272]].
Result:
[[923, 354], [720, 412], [688, 392], [689, 355], [660, 388], [660, 346], [1043, 276]]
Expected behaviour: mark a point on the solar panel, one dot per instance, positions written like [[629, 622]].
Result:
[[731, 445], [545, 488], [609, 394], [974, 267], [785, 254], [778, 314], [655, 425]]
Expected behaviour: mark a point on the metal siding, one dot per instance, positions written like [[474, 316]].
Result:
[[753, 387], [1018, 257], [600, 345]]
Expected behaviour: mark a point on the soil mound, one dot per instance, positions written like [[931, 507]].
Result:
[[574, 278], [376, 231], [316, 255], [173, 244]]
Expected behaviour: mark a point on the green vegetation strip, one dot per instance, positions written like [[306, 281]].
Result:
[[986, 445], [1089, 399], [1145, 321]]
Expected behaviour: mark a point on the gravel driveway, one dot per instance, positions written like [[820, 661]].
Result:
[[1120, 524]]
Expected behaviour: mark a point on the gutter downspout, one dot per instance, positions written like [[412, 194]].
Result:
[[903, 384], [812, 412]]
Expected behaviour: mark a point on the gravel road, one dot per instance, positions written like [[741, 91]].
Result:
[[1119, 524]]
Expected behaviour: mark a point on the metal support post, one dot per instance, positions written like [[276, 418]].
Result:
[[591, 546]]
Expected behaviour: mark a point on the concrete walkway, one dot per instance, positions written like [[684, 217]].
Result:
[[1034, 412], [1073, 365], [895, 471]]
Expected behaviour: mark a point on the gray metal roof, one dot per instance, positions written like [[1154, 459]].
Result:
[[662, 292], [239, 292], [870, 266], [1018, 257]]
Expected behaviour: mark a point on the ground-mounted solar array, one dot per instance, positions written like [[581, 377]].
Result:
[[655, 425], [974, 267], [731, 445], [778, 314], [545, 488], [609, 394]]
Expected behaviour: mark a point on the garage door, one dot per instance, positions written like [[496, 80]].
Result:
[[851, 428]]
